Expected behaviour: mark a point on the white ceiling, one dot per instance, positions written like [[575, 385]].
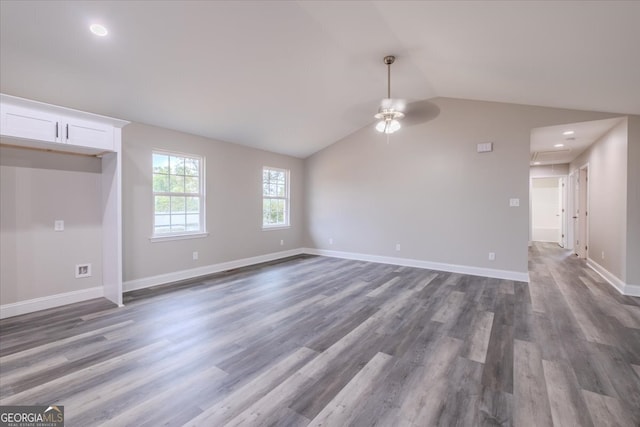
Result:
[[544, 140], [296, 76]]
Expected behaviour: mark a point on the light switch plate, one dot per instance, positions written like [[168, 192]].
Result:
[[514, 203], [58, 225], [485, 147]]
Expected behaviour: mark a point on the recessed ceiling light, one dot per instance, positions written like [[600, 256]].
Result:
[[559, 145], [98, 30], [568, 132], [536, 163]]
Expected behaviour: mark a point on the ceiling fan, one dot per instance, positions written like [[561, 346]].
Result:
[[392, 111]]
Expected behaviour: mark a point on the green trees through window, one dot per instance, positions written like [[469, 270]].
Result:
[[178, 194], [275, 197]]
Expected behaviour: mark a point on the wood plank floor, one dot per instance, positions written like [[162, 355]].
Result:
[[325, 341]]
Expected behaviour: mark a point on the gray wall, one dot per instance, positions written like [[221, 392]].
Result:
[[233, 203], [633, 203], [426, 189], [429, 190], [37, 188]]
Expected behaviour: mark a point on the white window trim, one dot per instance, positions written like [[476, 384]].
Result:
[[154, 238], [287, 198], [275, 227]]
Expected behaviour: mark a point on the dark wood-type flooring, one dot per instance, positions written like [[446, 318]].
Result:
[[325, 341]]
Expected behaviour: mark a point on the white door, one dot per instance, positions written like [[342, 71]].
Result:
[[563, 211], [571, 210], [583, 212], [576, 213]]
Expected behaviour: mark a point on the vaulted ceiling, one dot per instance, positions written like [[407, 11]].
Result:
[[296, 76]]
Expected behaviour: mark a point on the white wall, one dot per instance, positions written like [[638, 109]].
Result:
[[37, 188], [549, 170], [429, 190], [233, 204], [633, 203], [607, 209]]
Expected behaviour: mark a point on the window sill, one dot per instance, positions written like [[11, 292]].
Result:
[[156, 239], [276, 227]]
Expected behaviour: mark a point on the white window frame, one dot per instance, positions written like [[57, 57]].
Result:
[[286, 198], [182, 234]]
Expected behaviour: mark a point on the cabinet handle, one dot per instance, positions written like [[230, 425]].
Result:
[[57, 130], [67, 130]]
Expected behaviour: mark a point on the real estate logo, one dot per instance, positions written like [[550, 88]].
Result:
[[32, 416]]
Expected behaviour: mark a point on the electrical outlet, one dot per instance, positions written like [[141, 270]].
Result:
[[602, 254], [58, 225], [331, 240], [397, 246], [514, 203], [281, 242], [83, 270], [492, 256], [195, 255]]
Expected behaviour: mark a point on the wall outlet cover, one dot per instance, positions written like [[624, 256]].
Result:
[[83, 270]]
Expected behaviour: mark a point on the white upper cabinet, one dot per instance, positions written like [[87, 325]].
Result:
[[40, 123], [86, 133], [21, 122]]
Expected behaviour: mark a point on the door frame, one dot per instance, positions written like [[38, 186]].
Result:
[[579, 193], [564, 194], [584, 213], [562, 180], [571, 210]]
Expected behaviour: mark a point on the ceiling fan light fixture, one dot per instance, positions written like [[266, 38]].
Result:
[[388, 121], [387, 115], [388, 126]]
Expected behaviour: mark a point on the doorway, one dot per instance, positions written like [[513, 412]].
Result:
[[548, 199]]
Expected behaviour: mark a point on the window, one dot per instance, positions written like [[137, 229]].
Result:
[[275, 197], [178, 194]]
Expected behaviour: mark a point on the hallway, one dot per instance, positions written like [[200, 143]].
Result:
[[588, 339]]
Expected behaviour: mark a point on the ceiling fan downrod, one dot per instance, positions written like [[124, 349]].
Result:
[[388, 116], [389, 60]]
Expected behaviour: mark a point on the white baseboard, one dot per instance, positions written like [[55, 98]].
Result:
[[621, 286], [407, 262], [23, 307], [161, 279], [632, 290], [191, 273], [43, 303]]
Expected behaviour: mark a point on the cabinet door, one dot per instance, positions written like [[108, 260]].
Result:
[[28, 123], [86, 133]]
